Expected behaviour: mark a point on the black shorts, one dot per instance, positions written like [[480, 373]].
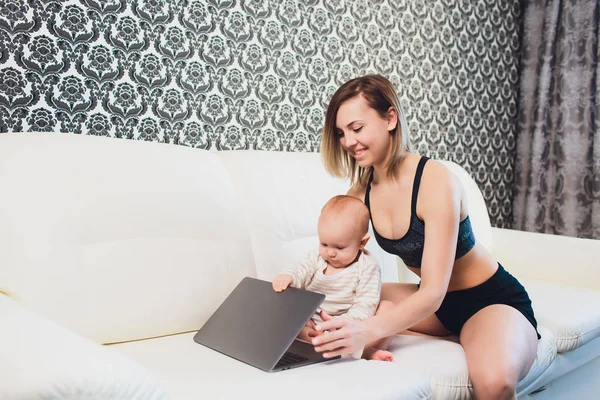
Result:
[[502, 288]]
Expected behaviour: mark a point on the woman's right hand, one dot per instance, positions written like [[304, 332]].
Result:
[[282, 281], [341, 336]]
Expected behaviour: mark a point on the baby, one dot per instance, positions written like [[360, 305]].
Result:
[[341, 269]]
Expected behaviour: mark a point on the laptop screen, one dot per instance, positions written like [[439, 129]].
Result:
[[255, 324]]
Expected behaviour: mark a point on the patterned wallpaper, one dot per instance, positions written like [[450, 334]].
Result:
[[240, 74]]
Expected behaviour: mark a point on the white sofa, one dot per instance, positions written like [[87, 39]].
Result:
[[114, 252]]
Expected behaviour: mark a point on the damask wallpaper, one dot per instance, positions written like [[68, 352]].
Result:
[[256, 74]]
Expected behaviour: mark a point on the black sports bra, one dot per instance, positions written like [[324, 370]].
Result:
[[410, 246]]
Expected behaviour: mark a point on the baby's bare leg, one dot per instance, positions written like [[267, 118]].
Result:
[[377, 350], [308, 332]]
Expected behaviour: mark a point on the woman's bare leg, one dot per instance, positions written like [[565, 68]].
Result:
[[391, 295], [500, 345]]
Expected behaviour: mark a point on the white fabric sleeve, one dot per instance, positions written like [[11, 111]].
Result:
[[40, 359], [304, 270]]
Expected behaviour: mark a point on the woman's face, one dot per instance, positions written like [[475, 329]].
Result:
[[363, 133]]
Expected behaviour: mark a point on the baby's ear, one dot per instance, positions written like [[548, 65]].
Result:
[[364, 241]]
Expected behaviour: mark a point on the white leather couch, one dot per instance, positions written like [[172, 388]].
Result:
[[113, 253]]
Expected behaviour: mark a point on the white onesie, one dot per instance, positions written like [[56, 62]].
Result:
[[353, 292]]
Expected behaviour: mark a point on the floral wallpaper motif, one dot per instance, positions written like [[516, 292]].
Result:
[[250, 74]]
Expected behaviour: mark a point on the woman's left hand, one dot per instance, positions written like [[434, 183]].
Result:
[[341, 336]]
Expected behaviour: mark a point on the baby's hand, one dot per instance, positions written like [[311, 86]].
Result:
[[282, 281]]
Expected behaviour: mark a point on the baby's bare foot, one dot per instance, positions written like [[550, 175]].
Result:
[[376, 354]]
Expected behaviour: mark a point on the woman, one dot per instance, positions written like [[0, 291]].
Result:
[[419, 212]]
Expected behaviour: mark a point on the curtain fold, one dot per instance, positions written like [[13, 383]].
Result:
[[557, 181]]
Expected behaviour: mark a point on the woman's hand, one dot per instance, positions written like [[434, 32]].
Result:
[[340, 336]]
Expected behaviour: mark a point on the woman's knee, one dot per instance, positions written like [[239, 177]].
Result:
[[490, 384]]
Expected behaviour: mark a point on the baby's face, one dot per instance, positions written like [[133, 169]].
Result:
[[339, 242]]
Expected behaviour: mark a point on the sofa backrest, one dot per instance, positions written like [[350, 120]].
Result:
[[282, 195], [117, 239], [120, 240]]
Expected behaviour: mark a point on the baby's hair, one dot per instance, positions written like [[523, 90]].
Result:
[[347, 204]]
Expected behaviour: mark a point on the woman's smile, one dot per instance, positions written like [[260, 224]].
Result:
[[358, 153]]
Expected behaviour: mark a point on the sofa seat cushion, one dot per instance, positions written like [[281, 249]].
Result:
[[191, 371], [444, 362], [570, 313], [40, 359]]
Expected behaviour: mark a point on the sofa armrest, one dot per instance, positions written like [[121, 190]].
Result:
[[42, 360], [552, 258]]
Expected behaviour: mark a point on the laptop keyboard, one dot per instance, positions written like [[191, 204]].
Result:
[[288, 359]]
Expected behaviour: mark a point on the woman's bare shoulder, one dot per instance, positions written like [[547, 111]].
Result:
[[440, 185], [438, 171]]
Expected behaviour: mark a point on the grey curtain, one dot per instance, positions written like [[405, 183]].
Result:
[[557, 182]]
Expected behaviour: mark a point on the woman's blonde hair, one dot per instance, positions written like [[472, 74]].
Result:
[[380, 95]]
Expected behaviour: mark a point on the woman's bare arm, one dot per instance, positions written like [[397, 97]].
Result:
[[439, 207]]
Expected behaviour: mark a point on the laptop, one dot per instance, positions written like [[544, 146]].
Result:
[[258, 326]]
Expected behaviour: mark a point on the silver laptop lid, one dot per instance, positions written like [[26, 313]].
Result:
[[256, 325]]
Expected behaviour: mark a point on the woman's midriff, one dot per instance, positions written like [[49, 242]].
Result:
[[472, 269]]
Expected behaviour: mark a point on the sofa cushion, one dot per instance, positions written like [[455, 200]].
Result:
[[41, 360], [92, 229], [449, 373], [191, 371], [282, 196], [570, 363], [570, 313], [568, 261]]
